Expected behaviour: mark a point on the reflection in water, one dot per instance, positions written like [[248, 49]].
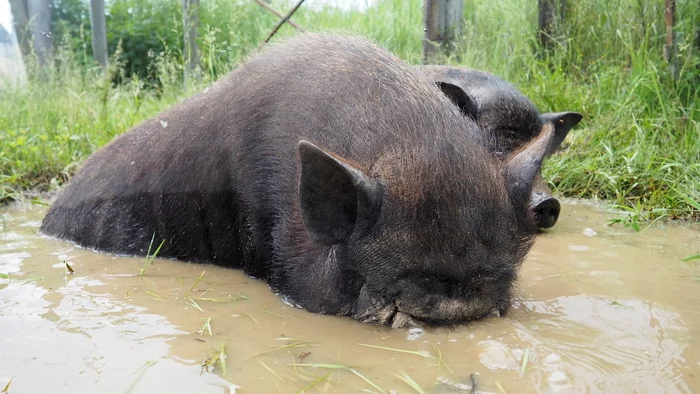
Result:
[[600, 310], [619, 345]]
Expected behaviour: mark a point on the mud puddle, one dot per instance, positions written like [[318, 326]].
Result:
[[601, 309]]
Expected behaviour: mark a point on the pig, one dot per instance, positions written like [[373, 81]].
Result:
[[509, 117], [331, 170]]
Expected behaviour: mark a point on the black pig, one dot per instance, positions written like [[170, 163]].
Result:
[[330, 169], [511, 119]]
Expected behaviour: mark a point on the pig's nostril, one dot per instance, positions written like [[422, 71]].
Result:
[[547, 213], [553, 215]]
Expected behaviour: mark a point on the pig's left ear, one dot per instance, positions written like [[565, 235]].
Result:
[[460, 98], [562, 122], [334, 195]]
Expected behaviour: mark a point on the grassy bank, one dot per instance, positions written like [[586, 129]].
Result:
[[638, 146]]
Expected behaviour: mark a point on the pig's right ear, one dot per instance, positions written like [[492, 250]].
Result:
[[523, 167], [563, 122], [460, 98], [334, 195]]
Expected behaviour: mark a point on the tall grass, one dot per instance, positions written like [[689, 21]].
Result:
[[64, 115], [639, 143]]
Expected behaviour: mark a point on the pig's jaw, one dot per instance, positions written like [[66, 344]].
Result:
[[444, 311]]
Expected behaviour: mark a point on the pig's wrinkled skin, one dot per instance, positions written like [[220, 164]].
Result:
[[314, 167], [510, 119]]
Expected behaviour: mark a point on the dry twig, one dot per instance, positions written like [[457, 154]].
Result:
[[283, 20], [279, 15]]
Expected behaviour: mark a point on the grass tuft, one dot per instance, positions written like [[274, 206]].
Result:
[[206, 326], [217, 357], [193, 303], [150, 258]]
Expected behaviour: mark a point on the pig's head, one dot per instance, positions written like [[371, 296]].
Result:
[[509, 119], [431, 242]]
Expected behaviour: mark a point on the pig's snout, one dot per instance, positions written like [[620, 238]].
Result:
[[546, 209]]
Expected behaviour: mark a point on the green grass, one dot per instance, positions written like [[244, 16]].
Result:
[[150, 257], [638, 145], [48, 129]]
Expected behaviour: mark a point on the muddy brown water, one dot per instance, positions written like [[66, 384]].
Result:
[[612, 312]]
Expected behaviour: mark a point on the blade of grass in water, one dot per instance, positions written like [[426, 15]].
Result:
[[271, 371], [219, 357], [326, 366], [500, 387], [140, 373], [150, 245], [421, 354], [342, 367], [525, 359], [369, 382], [223, 300], [195, 283], [146, 365], [691, 258], [271, 313], [220, 300], [409, 381], [222, 358], [150, 258], [154, 295], [249, 317], [287, 346], [442, 362], [207, 326], [314, 383], [7, 386], [439, 364], [194, 304]]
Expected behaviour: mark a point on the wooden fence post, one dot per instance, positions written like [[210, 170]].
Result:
[[550, 19], [99, 31], [21, 18], [190, 23], [670, 44], [40, 22], [443, 25]]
